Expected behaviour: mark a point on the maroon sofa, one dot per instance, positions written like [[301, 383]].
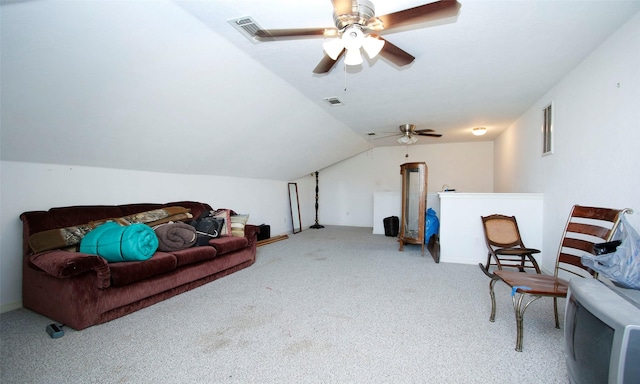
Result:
[[81, 290]]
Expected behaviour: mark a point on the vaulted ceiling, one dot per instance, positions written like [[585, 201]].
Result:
[[172, 86]]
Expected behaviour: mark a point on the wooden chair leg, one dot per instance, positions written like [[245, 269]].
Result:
[[555, 311], [535, 264], [486, 271]]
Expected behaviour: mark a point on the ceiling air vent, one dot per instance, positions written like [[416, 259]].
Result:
[[333, 101], [247, 26]]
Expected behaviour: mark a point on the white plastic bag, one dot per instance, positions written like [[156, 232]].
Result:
[[622, 266]]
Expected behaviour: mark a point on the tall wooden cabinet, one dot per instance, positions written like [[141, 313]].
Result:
[[414, 204]]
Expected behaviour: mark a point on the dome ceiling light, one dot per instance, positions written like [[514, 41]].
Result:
[[479, 131]]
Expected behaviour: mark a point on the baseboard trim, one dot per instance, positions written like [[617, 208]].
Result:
[[11, 306], [271, 240]]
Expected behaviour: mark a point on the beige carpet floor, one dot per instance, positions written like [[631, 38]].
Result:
[[332, 305]]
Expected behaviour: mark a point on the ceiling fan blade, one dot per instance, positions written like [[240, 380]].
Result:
[[395, 55], [272, 34], [423, 130], [427, 134], [326, 63], [420, 14]]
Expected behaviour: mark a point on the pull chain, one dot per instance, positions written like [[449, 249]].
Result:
[[345, 77]]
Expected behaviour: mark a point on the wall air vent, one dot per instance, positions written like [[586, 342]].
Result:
[[333, 101], [247, 26]]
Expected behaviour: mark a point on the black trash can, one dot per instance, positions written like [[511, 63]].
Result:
[[391, 226], [265, 232]]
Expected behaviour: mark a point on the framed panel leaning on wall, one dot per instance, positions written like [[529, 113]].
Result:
[[547, 130]]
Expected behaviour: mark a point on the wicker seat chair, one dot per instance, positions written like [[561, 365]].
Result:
[[505, 246], [585, 227]]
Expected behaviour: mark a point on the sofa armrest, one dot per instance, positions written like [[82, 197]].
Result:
[[251, 233], [64, 264]]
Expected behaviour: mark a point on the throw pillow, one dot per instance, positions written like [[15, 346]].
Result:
[[237, 225]]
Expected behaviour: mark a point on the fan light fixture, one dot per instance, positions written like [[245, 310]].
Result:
[[372, 46], [479, 131], [406, 139], [357, 26], [352, 40]]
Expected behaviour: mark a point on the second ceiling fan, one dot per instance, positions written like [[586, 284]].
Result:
[[357, 27], [409, 133]]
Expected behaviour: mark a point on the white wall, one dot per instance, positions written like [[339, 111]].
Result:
[[597, 137], [347, 188], [461, 233], [29, 187]]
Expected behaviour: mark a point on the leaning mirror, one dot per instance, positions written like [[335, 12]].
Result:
[[295, 207]]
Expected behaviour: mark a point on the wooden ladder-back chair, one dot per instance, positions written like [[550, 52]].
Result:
[[585, 227], [505, 246]]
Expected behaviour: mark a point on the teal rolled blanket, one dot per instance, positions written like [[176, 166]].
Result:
[[116, 243]]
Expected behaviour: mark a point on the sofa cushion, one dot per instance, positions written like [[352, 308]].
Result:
[[131, 271], [228, 244], [194, 254], [78, 215], [132, 209], [64, 264]]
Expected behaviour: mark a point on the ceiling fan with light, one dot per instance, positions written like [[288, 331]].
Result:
[[357, 27], [409, 132]]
